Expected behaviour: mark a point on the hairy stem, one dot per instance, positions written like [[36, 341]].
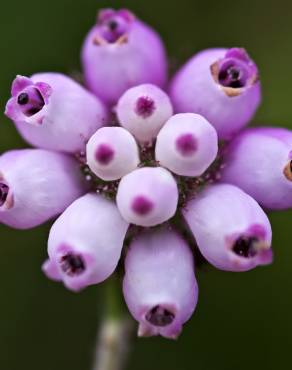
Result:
[[115, 333]]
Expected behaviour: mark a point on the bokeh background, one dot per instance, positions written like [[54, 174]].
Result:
[[243, 321]]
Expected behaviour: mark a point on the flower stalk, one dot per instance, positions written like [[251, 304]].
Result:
[[115, 337]]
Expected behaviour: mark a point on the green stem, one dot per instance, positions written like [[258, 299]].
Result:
[[114, 338]]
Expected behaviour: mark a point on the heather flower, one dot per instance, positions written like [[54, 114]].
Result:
[[120, 52], [147, 196], [220, 84], [143, 110], [259, 160], [187, 144], [36, 185], [80, 252], [232, 231], [140, 187], [112, 152], [160, 292], [51, 111]]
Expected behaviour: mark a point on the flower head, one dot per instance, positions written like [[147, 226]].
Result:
[[158, 184]]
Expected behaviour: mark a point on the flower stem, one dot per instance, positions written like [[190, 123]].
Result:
[[115, 332]]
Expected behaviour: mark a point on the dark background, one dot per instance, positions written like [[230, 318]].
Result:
[[243, 321]]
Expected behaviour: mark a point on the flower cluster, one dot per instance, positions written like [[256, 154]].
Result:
[[162, 169]]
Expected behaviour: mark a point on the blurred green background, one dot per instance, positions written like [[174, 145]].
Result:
[[243, 321]]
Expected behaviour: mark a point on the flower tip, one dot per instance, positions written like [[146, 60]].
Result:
[[9, 109], [127, 14], [51, 271], [104, 14], [74, 286], [145, 330], [19, 83], [107, 13], [61, 272], [172, 333], [266, 256]]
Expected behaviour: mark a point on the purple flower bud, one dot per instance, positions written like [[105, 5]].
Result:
[[51, 111], [85, 242], [232, 231], [147, 196], [143, 110], [259, 161], [187, 144], [160, 287], [220, 84], [120, 52], [36, 185], [112, 152]]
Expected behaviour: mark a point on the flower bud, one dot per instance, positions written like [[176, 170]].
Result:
[[120, 52], [160, 287], [147, 196], [232, 231], [36, 185], [51, 111], [143, 110], [85, 242], [187, 144], [259, 161], [220, 84], [112, 152]]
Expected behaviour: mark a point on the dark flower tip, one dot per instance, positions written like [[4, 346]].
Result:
[[231, 76], [30, 101], [113, 26], [22, 99], [104, 154], [72, 264], [142, 205], [159, 316], [186, 144], [246, 246], [234, 72], [145, 107], [4, 190]]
